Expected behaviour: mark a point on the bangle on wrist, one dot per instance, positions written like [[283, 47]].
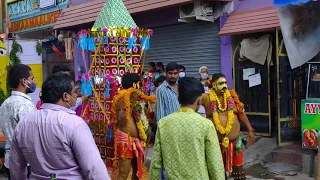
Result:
[[251, 129]]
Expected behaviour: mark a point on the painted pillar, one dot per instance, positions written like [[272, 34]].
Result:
[[226, 53]]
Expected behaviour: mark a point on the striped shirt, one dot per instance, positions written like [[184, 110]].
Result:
[[167, 101]]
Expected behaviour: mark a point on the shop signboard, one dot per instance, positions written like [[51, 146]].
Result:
[[310, 123], [35, 22], [47, 3], [18, 9]]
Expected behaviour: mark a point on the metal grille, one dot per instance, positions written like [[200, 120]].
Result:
[[191, 45]]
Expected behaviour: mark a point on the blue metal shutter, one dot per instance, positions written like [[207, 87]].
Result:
[[191, 45]]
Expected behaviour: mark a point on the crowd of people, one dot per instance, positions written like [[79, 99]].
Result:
[[195, 129]]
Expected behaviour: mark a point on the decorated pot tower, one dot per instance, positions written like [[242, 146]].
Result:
[[117, 46]]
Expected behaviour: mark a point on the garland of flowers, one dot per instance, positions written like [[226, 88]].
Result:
[[125, 95], [238, 104], [216, 108], [141, 122]]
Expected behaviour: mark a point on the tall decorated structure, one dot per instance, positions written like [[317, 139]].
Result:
[[117, 46]]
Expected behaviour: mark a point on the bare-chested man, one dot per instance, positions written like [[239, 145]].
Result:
[[129, 113], [225, 109]]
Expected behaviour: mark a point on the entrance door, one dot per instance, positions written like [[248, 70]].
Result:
[[291, 88], [256, 99]]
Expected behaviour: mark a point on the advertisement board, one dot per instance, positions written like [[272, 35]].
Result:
[[310, 123]]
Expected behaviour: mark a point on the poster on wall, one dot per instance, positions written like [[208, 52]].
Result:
[[310, 123]]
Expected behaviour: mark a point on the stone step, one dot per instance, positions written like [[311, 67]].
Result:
[[292, 155]]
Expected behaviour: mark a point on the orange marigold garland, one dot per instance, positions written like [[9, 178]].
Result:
[[239, 105], [125, 95], [216, 108]]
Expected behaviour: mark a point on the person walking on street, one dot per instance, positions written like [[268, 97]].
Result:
[[21, 79], [54, 140], [167, 94], [186, 143]]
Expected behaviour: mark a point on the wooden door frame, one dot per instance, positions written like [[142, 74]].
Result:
[[279, 53], [269, 134]]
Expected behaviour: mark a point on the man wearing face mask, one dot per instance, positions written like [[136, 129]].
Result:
[[203, 71], [21, 79], [67, 70], [54, 139], [186, 143], [182, 71], [225, 109]]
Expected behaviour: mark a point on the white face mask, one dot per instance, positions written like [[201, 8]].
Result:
[[204, 76], [182, 74]]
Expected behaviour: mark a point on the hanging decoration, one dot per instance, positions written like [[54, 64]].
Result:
[[117, 46]]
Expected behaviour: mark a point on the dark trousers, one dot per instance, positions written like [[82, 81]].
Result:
[[28, 173]]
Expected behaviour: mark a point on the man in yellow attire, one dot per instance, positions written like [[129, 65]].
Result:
[[225, 109]]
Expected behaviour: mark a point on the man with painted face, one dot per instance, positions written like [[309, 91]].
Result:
[[21, 80], [54, 139], [225, 109]]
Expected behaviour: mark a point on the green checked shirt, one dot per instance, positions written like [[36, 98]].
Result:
[[187, 146]]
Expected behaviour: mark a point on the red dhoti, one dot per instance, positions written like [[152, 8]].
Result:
[[230, 158], [128, 148]]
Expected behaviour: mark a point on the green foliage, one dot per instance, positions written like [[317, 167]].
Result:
[[16, 48], [39, 48], [3, 97], [14, 59]]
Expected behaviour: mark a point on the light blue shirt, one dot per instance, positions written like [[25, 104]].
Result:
[[167, 101]]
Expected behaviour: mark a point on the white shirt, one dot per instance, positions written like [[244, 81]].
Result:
[[11, 111]]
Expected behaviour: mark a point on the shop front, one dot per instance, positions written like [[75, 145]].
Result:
[[30, 24], [193, 44], [269, 88]]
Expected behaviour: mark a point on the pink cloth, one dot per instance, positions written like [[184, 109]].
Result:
[[38, 104], [55, 140]]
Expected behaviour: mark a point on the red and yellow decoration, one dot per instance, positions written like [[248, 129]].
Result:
[[136, 111], [216, 107]]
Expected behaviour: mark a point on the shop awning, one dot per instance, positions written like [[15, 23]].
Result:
[[88, 12], [256, 20]]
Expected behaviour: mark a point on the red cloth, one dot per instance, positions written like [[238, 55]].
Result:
[[230, 158], [129, 147]]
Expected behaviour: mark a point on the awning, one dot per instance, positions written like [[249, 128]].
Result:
[[256, 20], [88, 12]]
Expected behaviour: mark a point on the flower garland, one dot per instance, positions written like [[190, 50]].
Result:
[[125, 95], [141, 122], [216, 108]]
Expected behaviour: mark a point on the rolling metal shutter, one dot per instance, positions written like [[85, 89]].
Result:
[[191, 45]]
